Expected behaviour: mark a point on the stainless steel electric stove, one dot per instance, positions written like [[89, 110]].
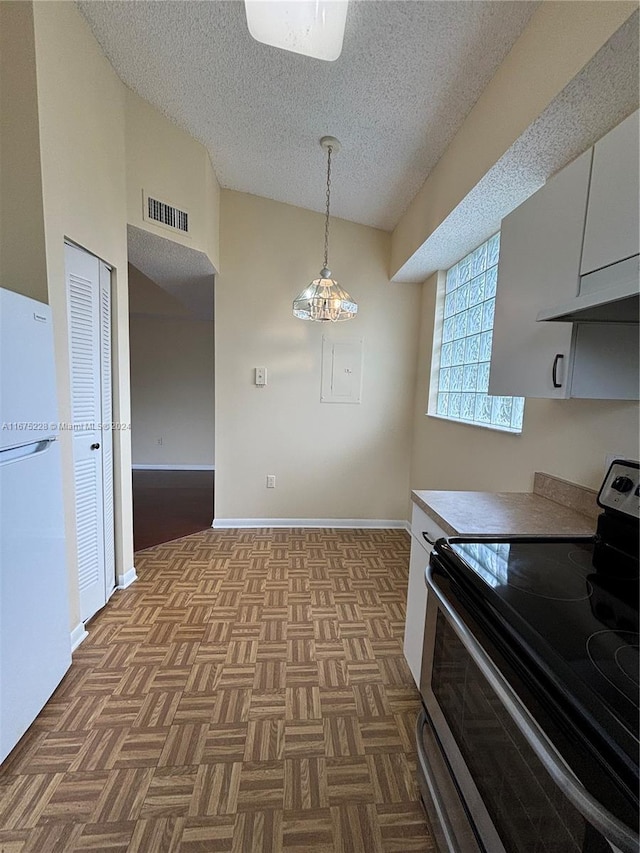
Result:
[[529, 736]]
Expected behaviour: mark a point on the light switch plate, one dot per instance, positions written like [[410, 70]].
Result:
[[261, 376]]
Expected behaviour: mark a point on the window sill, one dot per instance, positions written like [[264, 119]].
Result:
[[491, 427]]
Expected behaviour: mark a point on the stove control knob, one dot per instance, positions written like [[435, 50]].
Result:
[[622, 484]]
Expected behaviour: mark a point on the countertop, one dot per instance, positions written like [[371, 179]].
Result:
[[502, 513]]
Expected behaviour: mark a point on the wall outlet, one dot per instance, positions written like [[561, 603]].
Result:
[[160, 441], [261, 376], [271, 481]]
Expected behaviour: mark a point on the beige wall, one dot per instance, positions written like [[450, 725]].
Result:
[[87, 153], [64, 174], [558, 42], [171, 379], [169, 164], [330, 460], [81, 103], [22, 250], [567, 438]]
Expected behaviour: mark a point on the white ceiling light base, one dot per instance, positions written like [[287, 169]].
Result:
[[330, 142], [310, 27]]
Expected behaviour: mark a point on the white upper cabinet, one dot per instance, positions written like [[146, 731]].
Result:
[[612, 227], [540, 247], [583, 220]]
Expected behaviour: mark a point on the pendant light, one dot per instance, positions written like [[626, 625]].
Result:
[[324, 299]]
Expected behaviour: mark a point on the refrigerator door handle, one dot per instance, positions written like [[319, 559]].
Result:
[[26, 451]]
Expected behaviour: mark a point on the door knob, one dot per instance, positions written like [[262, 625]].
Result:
[[95, 446]]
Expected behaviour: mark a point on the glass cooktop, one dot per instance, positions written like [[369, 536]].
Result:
[[579, 625]]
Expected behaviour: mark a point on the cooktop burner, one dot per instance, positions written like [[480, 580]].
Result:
[[616, 656], [582, 558], [552, 579], [558, 573]]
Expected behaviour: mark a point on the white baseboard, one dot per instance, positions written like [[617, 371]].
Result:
[[173, 467], [78, 634], [350, 523], [127, 578]]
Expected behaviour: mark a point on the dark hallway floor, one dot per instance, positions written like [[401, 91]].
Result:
[[170, 504]]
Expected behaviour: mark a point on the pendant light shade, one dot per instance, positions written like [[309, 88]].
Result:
[[324, 300]]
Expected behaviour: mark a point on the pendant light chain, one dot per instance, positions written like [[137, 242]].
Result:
[[324, 300], [326, 222]]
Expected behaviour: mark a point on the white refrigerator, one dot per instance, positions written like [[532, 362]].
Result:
[[35, 646]]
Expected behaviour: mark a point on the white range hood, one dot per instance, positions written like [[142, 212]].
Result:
[[609, 295]]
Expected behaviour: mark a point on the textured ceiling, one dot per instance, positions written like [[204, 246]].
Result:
[[408, 75], [604, 93], [181, 271]]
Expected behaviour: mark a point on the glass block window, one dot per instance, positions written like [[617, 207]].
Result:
[[465, 347]]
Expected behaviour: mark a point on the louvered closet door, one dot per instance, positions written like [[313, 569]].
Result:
[[88, 291]]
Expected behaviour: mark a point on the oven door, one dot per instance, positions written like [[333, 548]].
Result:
[[491, 778]]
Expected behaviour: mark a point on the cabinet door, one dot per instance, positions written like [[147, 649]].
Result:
[[422, 525], [612, 228], [540, 246], [416, 608], [606, 364]]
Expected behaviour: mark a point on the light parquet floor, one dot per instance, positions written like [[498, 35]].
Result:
[[247, 694]]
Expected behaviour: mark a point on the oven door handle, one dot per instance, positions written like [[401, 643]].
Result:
[[613, 829]]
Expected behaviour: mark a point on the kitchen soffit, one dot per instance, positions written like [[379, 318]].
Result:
[[597, 99], [408, 75]]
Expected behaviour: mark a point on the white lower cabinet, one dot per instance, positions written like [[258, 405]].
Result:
[[424, 534]]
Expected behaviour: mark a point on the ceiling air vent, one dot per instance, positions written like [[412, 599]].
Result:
[[165, 214]]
